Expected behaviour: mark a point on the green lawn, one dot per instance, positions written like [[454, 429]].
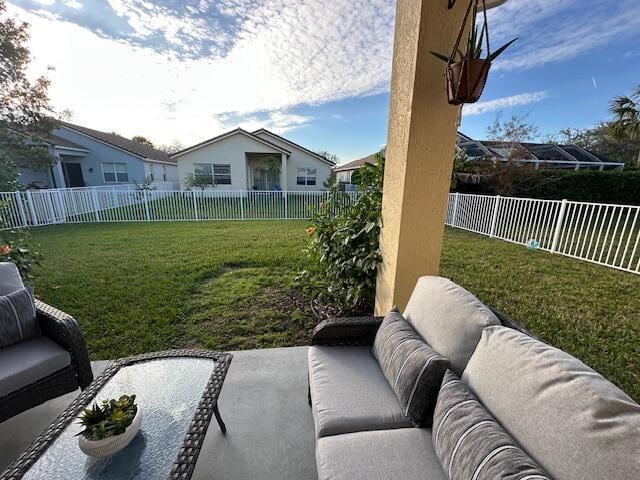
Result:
[[228, 285]]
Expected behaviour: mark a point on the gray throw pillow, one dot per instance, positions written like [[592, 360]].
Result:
[[470, 444], [18, 320], [413, 369]]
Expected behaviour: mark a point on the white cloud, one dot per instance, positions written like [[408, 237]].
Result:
[[501, 103], [286, 54]]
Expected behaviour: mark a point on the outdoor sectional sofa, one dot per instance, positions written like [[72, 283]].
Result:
[[51, 363], [508, 407]]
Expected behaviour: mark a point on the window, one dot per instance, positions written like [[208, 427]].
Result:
[[115, 172], [306, 176], [212, 174], [164, 173]]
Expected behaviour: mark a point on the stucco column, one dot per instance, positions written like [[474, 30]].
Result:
[[420, 148], [283, 173]]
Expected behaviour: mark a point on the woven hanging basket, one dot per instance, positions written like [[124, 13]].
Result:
[[467, 78]]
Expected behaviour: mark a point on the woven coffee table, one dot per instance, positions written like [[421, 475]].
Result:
[[177, 392]]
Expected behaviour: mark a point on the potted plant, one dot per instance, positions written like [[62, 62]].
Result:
[[466, 73], [109, 427]]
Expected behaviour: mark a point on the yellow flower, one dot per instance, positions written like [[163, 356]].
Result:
[[310, 230], [6, 249]]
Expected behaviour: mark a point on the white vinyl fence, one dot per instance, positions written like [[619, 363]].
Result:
[[605, 234], [82, 205]]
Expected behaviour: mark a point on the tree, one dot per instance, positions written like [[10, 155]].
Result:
[[626, 117], [332, 157], [142, 140], [512, 133], [25, 114], [171, 148], [599, 139]]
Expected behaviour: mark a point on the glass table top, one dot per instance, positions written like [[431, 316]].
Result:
[[168, 391]]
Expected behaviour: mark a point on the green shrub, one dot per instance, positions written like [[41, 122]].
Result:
[[16, 246], [342, 250], [109, 419]]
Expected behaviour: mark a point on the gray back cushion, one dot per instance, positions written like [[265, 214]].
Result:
[[572, 421], [470, 444], [18, 320], [10, 279], [412, 368], [449, 318]]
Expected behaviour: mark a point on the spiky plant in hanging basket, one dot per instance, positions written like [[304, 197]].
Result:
[[467, 73]]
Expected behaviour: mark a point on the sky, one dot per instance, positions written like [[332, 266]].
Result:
[[316, 71]]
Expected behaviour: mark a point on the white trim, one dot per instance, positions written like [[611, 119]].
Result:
[[289, 142], [151, 160], [227, 135]]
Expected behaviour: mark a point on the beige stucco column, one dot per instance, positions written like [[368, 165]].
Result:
[[420, 148]]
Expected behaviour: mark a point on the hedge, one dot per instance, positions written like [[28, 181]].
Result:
[[582, 186]]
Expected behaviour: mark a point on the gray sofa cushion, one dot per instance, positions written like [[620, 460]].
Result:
[[18, 320], [10, 279], [572, 421], [449, 318], [470, 444], [412, 368], [349, 392], [401, 454], [26, 362]]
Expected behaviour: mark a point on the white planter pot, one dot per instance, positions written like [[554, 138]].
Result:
[[111, 445]]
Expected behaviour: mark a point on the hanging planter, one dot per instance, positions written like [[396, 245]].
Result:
[[466, 74]]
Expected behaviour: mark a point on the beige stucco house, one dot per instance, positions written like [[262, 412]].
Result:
[[260, 160]]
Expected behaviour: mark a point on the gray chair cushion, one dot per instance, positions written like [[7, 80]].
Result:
[[349, 392], [18, 320], [470, 444], [449, 318], [402, 454], [573, 422], [412, 368], [26, 362], [10, 279]]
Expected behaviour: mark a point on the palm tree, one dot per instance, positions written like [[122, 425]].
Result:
[[626, 121]]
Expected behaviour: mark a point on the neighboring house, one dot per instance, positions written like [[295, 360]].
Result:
[[260, 160], [343, 172], [541, 155], [87, 157]]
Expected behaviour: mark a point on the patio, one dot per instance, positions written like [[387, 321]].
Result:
[[270, 431]]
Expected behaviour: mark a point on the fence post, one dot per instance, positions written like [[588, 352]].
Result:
[[23, 215], [286, 204], [32, 209], [195, 205], [558, 229], [63, 208], [96, 205], [494, 218], [146, 205], [455, 209], [242, 204]]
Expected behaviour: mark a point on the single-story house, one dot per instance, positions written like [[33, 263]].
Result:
[[343, 172], [260, 160], [87, 157]]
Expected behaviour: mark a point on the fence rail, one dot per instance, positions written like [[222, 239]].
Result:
[[47, 207], [600, 233]]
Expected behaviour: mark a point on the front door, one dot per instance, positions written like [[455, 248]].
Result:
[[73, 175]]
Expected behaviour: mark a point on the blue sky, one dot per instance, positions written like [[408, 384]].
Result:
[[316, 71]]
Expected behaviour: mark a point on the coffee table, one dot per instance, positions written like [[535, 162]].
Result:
[[177, 392]]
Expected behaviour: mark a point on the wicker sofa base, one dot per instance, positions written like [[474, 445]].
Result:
[[61, 382]]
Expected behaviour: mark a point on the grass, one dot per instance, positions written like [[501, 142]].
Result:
[[228, 285]]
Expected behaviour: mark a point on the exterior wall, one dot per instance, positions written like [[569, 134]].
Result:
[[344, 176], [300, 158], [100, 152], [228, 151], [158, 171], [28, 176]]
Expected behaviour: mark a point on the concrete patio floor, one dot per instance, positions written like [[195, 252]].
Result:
[[270, 431]]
